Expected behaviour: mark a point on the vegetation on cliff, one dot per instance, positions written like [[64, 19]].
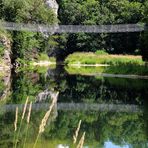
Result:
[[27, 45]]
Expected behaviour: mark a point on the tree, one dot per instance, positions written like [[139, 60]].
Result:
[[28, 11], [144, 38], [95, 12]]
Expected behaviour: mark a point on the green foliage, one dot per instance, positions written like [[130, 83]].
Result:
[[84, 70], [2, 87], [26, 11], [115, 126], [101, 52], [103, 126], [146, 11], [92, 58], [43, 57], [144, 38], [1, 50], [3, 36], [27, 45], [129, 69], [94, 12], [25, 85], [116, 64]]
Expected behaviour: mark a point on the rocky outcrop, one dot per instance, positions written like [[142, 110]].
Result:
[[5, 66], [53, 5], [6, 60]]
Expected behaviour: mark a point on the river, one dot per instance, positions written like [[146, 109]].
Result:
[[113, 111]]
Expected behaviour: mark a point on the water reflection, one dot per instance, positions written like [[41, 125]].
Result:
[[78, 107], [119, 128], [113, 110]]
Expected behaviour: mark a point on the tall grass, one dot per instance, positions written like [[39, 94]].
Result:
[[15, 124], [76, 133], [25, 107], [92, 58], [75, 137], [118, 64], [16, 119], [81, 142], [46, 117], [43, 123], [28, 120], [22, 118]]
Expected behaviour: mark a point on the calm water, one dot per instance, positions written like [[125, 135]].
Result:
[[113, 111]]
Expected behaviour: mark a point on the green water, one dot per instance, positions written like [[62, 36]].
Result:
[[113, 111]]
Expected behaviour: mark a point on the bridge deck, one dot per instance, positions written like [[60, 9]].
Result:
[[74, 28]]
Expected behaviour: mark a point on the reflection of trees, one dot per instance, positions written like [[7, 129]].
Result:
[[75, 88], [26, 84], [104, 90], [120, 128]]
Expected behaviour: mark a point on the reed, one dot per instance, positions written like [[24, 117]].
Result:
[[29, 112], [25, 107], [23, 115], [15, 124], [16, 119], [28, 120], [81, 142], [76, 133], [46, 117]]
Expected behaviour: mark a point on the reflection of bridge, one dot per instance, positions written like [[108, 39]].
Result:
[[77, 107], [74, 28]]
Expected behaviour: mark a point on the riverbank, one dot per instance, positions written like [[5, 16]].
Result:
[[94, 58], [91, 63]]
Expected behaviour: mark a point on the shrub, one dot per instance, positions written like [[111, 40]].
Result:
[[101, 52]]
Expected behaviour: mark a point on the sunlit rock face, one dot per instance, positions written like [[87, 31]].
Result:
[[5, 42], [54, 5], [5, 66]]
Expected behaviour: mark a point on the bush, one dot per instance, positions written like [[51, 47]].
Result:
[[101, 52], [1, 51], [43, 57]]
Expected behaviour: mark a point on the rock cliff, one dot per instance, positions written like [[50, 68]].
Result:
[[5, 66], [5, 43]]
